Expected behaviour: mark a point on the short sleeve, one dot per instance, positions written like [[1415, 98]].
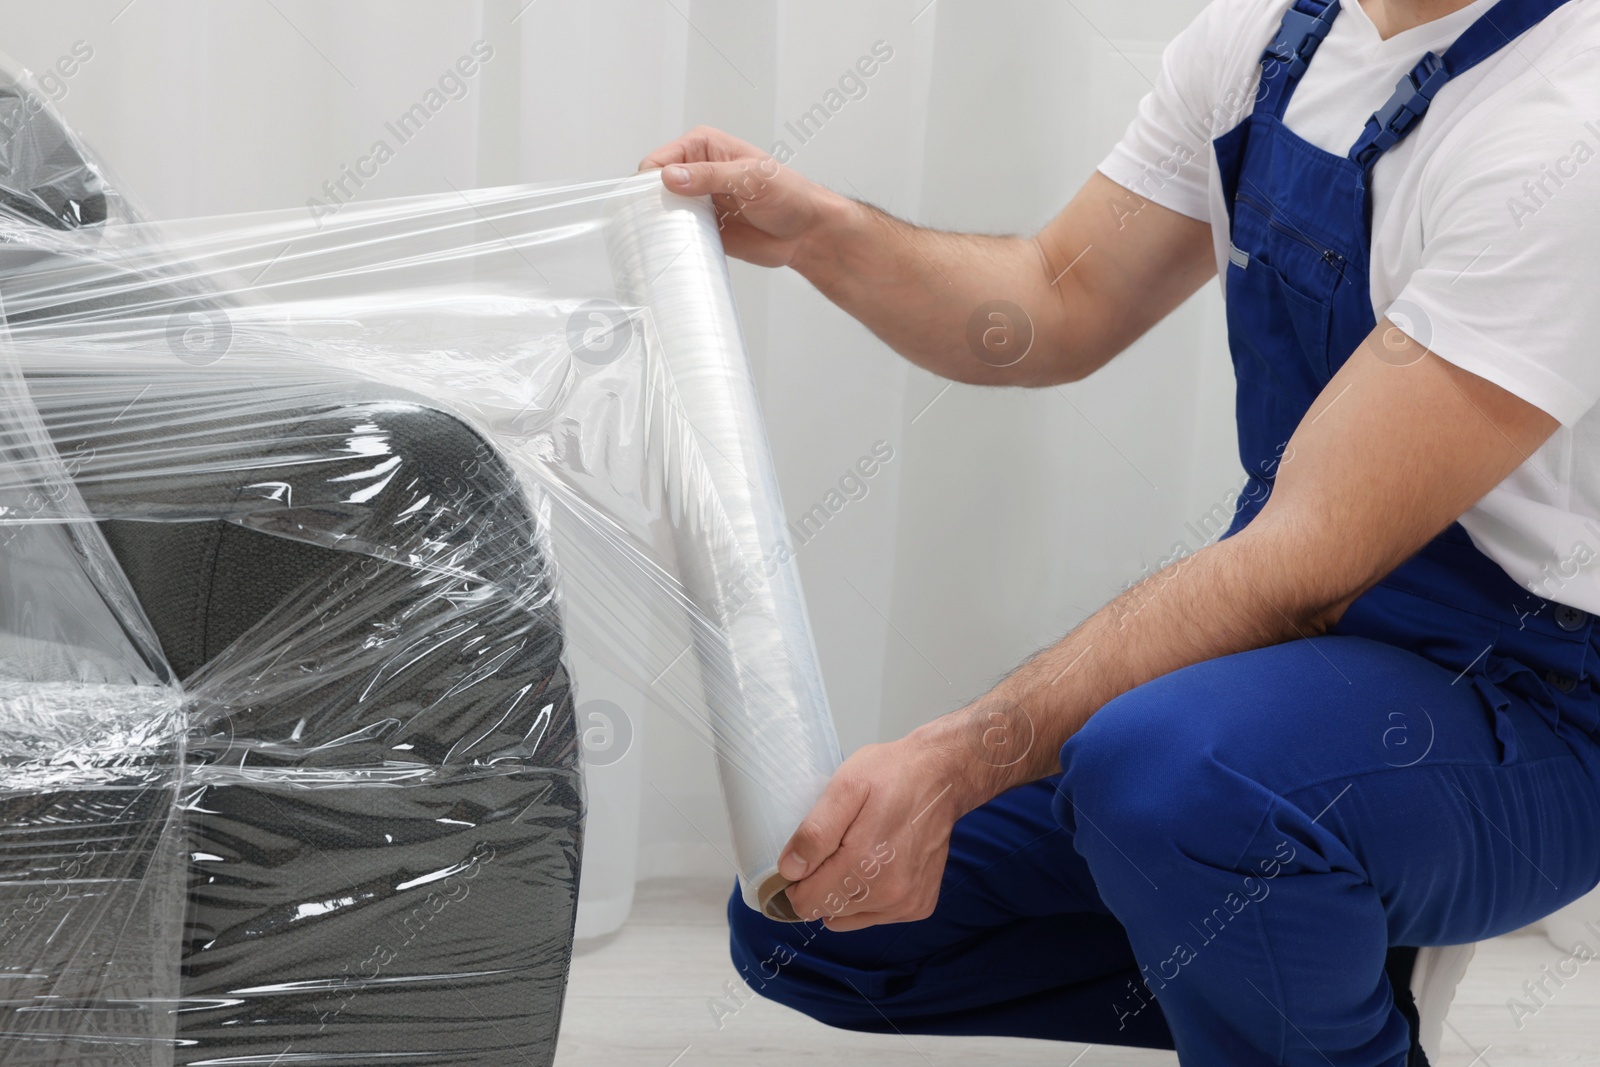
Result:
[[1504, 287], [1163, 155]]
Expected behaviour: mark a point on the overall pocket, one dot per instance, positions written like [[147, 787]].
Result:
[[1291, 277]]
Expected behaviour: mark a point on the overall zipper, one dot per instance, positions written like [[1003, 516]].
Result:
[[1328, 255]]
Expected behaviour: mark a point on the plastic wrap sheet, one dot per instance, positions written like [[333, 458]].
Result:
[[91, 748], [301, 512]]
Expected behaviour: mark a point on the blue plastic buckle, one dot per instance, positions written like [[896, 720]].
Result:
[[1297, 39], [1389, 125], [1412, 95]]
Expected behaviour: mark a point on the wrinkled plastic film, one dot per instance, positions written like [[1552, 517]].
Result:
[[668, 257], [307, 511], [380, 797], [47, 178], [768, 717], [91, 751]]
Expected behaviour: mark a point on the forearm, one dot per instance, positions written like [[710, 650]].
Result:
[[1246, 592], [1399, 444], [924, 292]]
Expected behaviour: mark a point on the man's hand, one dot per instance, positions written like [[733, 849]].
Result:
[[873, 848], [767, 211]]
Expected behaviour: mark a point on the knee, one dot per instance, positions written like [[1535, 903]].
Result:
[[759, 948], [1142, 781], [774, 965], [1132, 763]]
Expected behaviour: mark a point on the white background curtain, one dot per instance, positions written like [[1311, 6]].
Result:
[[1004, 517]]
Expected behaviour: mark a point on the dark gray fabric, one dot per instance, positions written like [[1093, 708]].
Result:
[[44, 178], [316, 901], [87, 934]]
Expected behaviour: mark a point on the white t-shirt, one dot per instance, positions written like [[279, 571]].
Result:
[[1485, 226]]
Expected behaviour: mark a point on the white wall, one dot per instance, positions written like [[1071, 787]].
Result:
[[1004, 517]]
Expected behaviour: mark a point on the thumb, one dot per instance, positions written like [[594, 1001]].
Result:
[[744, 179], [823, 828]]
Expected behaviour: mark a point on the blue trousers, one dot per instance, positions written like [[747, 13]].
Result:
[[1230, 850]]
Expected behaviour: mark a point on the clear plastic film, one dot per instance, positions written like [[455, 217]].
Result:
[[304, 513]]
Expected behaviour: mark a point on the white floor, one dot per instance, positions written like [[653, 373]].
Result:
[[651, 995]]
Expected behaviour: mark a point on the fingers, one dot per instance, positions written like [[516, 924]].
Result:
[[703, 144], [819, 835], [837, 893], [705, 161], [856, 920], [862, 876], [744, 179], [675, 152], [860, 858], [860, 887], [690, 148]]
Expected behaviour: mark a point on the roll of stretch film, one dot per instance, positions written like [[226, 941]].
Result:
[[773, 733]]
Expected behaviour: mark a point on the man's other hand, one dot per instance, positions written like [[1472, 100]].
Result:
[[873, 848]]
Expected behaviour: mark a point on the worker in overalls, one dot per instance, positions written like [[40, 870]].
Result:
[[1365, 720]]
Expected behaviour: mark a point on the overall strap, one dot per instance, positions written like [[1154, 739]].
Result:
[[1304, 26], [1495, 29]]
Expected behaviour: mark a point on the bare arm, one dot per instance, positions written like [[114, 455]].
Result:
[[1400, 444], [1104, 271]]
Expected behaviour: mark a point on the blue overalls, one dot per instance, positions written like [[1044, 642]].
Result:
[[1232, 851]]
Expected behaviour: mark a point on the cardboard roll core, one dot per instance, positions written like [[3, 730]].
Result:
[[772, 892]]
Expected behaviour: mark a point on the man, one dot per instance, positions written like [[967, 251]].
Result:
[[1355, 724]]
